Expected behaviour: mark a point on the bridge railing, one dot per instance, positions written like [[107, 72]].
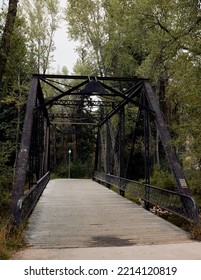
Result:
[[28, 201], [176, 203], [33, 157]]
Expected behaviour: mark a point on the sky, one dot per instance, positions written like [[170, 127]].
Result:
[[65, 54]]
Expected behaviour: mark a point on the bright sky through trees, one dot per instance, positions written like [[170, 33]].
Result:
[[65, 53]]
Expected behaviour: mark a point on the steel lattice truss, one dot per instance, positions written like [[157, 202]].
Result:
[[104, 103]]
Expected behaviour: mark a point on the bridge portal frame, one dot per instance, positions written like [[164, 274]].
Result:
[[37, 119]]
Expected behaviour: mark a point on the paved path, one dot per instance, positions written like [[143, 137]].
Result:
[[80, 219]]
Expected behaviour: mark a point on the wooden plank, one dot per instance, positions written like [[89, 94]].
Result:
[[76, 213]]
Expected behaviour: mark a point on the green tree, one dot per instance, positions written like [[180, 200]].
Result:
[[86, 24], [156, 39], [101, 28], [21, 62], [42, 19]]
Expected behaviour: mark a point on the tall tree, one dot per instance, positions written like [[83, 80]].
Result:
[[156, 39], [101, 28], [42, 22], [5, 46], [86, 23]]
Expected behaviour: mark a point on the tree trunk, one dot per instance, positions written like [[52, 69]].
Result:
[[6, 37]]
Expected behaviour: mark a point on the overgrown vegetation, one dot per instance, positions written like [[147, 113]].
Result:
[[196, 232], [162, 178], [11, 239]]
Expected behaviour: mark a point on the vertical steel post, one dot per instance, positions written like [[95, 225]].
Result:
[[22, 160], [96, 162], [69, 162], [146, 144], [146, 150], [108, 150], [121, 146], [48, 149], [134, 136]]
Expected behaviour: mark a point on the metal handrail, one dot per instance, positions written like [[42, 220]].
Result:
[[28, 201], [174, 202]]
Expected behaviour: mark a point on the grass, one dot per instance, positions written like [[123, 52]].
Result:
[[11, 239], [196, 232]]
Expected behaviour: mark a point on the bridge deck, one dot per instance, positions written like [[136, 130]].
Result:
[[76, 213]]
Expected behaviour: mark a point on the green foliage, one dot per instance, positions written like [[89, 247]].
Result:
[[6, 177], [196, 232], [42, 19], [193, 178], [77, 170], [11, 239], [84, 68], [155, 39], [8, 130], [101, 27], [162, 178]]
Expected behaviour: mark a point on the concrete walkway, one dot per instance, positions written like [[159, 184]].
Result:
[[181, 251], [80, 219]]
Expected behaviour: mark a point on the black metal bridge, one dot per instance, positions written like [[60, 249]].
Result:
[[111, 101]]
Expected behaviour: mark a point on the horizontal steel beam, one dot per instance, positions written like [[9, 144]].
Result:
[[72, 116], [74, 123], [73, 77], [89, 103], [52, 100]]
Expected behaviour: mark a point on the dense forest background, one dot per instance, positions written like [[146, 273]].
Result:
[[155, 39]]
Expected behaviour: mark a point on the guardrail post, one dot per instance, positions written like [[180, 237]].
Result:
[[108, 151], [121, 187], [97, 153], [147, 197], [146, 151], [121, 142], [122, 193]]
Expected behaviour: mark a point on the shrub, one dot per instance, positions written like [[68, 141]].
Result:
[[193, 176], [196, 232], [6, 177], [11, 239], [162, 178], [77, 170]]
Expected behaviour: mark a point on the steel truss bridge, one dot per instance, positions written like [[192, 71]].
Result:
[[110, 101]]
